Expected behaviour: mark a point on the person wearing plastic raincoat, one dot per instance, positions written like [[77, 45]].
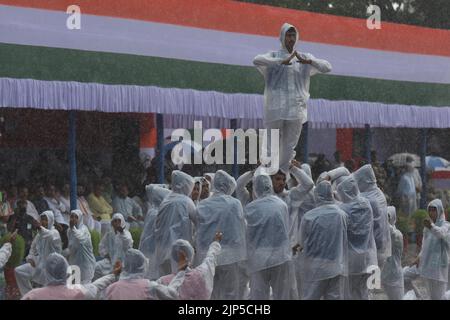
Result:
[[201, 190], [323, 241], [128, 207], [209, 176], [406, 190], [268, 245], [133, 285], [367, 184], [113, 246], [192, 283], [287, 79], [174, 220], [392, 274], [307, 202], [298, 193], [242, 192], [223, 212], [58, 288], [362, 251], [432, 262], [44, 243], [336, 176], [147, 245], [80, 250]]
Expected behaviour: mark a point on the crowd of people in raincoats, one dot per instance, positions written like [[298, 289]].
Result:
[[260, 237]]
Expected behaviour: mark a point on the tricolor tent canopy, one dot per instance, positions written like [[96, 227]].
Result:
[[192, 59]]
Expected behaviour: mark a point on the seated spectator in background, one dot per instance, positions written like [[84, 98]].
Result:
[[108, 191], [64, 198], [100, 207], [113, 246], [58, 208], [54, 204], [140, 198], [130, 209], [23, 223], [12, 193], [80, 251], [83, 206], [31, 209], [44, 243], [38, 199]]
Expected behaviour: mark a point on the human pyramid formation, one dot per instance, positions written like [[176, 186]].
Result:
[[287, 238], [309, 241]]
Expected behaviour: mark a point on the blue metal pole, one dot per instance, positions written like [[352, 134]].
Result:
[[73, 159], [423, 167], [368, 143], [305, 132], [160, 146], [235, 168]]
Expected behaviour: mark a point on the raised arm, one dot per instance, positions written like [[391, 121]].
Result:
[[242, 193], [267, 60], [208, 266], [441, 232], [93, 290], [305, 183]]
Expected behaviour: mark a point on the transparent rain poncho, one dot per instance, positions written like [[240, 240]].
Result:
[[434, 256], [192, 283], [57, 274], [56, 267], [134, 265], [175, 216], [367, 183], [392, 274], [362, 251], [114, 245], [323, 237], [132, 285], [267, 219], [309, 201], [285, 99], [147, 244], [221, 212], [45, 242], [80, 249]]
